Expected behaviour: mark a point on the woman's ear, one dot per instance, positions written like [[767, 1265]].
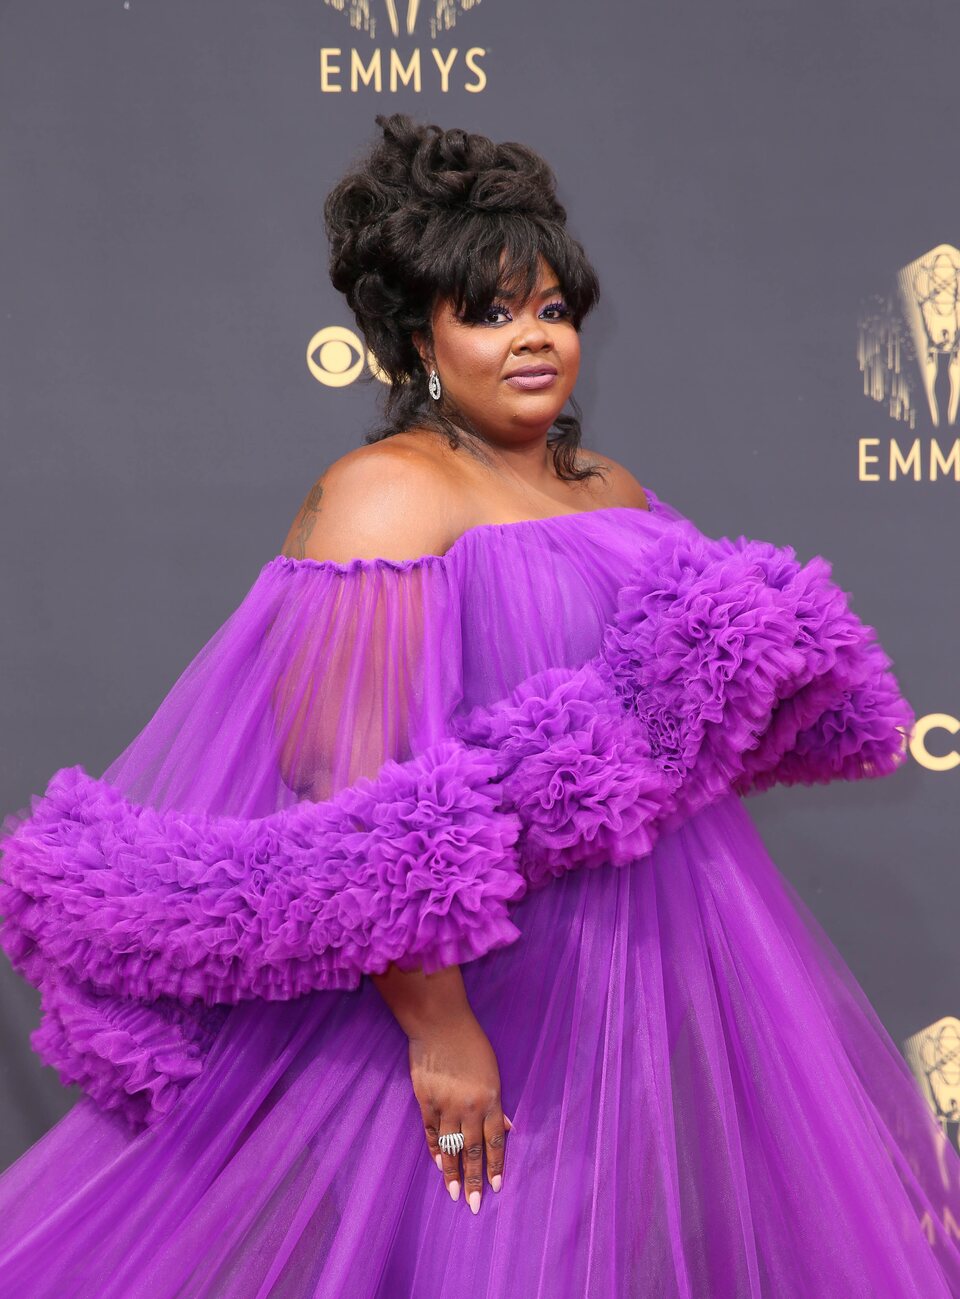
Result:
[[420, 343]]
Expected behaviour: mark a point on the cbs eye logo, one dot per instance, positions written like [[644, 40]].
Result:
[[336, 356]]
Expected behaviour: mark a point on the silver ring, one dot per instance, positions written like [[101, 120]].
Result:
[[451, 1143]]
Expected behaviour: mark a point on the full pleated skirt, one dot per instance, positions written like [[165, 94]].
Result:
[[705, 1105]]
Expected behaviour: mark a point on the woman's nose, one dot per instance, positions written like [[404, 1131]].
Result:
[[532, 337]]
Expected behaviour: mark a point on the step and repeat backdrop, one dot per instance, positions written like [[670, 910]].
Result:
[[768, 194]]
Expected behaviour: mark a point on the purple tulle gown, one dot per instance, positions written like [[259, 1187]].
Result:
[[528, 756]]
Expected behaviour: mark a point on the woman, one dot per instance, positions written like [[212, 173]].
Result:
[[453, 799]]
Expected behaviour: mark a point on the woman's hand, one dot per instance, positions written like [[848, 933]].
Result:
[[454, 1072], [457, 1084]]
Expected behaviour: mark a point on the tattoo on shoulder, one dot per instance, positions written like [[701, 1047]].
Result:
[[306, 519]]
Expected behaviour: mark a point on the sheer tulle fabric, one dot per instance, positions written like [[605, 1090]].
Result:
[[523, 756]]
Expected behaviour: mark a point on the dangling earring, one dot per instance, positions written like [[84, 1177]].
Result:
[[433, 385]]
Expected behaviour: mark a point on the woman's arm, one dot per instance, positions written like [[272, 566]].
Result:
[[394, 503], [423, 1003], [375, 502]]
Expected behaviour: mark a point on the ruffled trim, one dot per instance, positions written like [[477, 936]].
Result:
[[748, 668], [415, 866], [128, 1057], [577, 771], [131, 920]]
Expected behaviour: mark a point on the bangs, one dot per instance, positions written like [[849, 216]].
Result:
[[475, 258]]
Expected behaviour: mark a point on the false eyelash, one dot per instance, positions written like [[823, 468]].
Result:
[[550, 306]]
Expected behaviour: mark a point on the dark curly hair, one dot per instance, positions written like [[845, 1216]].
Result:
[[430, 214]]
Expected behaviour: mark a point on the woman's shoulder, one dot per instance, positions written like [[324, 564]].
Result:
[[392, 499], [620, 485]]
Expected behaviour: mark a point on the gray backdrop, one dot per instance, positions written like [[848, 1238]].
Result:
[[749, 179]]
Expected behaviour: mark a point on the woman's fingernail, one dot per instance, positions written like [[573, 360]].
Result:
[[454, 1189], [440, 1162], [496, 1181], [475, 1201]]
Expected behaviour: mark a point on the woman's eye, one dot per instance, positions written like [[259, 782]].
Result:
[[498, 313], [495, 311]]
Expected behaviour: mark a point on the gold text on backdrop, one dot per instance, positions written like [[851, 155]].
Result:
[[380, 69]]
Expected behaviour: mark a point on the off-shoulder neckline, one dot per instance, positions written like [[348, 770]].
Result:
[[292, 563]]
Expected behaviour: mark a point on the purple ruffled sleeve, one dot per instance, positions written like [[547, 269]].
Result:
[[728, 665], [295, 815], [748, 668]]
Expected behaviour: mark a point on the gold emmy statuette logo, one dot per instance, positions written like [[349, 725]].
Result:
[[331, 359], [909, 344], [379, 69], [933, 1055], [442, 14]]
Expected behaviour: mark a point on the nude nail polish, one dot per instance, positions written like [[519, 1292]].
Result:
[[496, 1181], [475, 1201], [454, 1189]]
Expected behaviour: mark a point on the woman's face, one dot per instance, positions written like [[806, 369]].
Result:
[[512, 371]]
